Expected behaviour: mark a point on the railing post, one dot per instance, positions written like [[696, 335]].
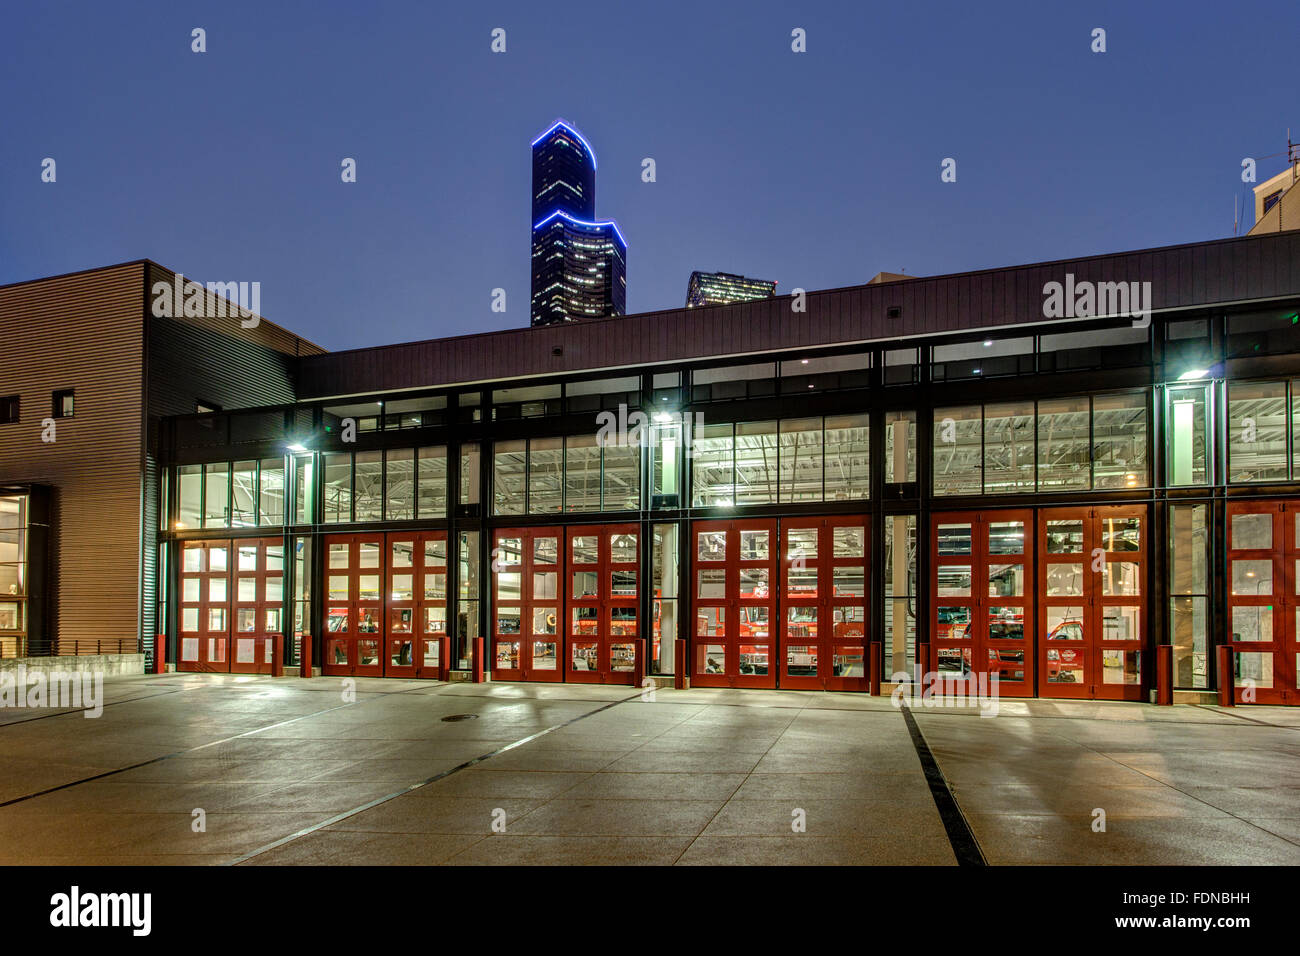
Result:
[[277, 656], [679, 664], [476, 663], [304, 655]]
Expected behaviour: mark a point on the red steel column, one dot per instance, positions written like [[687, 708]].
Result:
[[277, 656], [679, 664], [1164, 674], [877, 665], [1227, 695], [477, 661], [304, 656]]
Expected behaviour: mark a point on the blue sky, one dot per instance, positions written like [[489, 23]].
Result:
[[816, 169]]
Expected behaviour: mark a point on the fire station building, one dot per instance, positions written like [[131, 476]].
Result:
[[1082, 476]]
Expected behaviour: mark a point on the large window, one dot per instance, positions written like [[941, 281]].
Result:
[[216, 495], [1187, 430], [431, 492], [900, 596], [900, 447], [958, 450], [982, 358], [510, 477], [469, 574], [605, 393], [243, 494], [665, 450], [847, 457], [337, 493], [666, 582], [799, 376], [1009, 447], [713, 476], [304, 484], [1094, 348], [545, 476], [469, 472], [190, 484], [1064, 445], [1119, 441], [270, 492], [793, 460], [621, 478], [1070, 444], [581, 473], [1257, 415], [756, 463], [1189, 592], [733, 381], [576, 474], [368, 486], [399, 484], [801, 460]]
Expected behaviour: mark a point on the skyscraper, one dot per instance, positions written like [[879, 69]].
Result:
[[579, 266], [721, 288]]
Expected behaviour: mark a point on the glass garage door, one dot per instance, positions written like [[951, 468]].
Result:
[[1264, 600], [823, 603], [1092, 608], [603, 645], [258, 604], [354, 608], [416, 600], [527, 609], [983, 604], [734, 603], [204, 607]]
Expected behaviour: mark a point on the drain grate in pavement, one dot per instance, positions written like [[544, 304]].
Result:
[[451, 717]]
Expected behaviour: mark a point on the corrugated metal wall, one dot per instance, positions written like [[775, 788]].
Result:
[[82, 331], [1207, 273], [212, 360]]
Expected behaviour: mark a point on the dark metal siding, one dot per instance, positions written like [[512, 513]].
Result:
[[1219, 272]]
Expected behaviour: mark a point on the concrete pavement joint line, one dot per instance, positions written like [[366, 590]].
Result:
[[1155, 723], [566, 790], [1170, 786], [181, 753], [82, 710], [750, 773], [423, 783], [1233, 713], [960, 835]]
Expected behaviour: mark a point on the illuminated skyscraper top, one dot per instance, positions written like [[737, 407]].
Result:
[[564, 174], [579, 265]]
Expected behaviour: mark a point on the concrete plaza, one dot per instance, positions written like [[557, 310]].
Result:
[[287, 771]]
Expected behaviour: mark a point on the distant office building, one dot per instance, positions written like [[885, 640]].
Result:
[[1277, 201], [579, 270], [579, 265], [721, 288]]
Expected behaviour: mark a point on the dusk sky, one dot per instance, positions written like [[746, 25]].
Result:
[[816, 169]]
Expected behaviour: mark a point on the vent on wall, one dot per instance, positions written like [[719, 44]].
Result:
[[894, 312]]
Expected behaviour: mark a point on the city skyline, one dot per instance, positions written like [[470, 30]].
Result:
[[788, 173]]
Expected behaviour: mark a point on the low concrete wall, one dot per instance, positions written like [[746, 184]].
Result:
[[110, 665]]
